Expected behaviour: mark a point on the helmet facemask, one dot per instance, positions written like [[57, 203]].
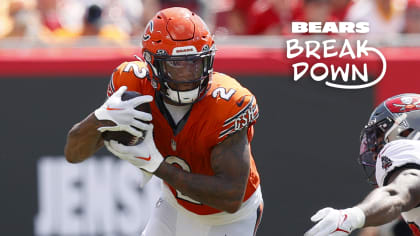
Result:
[[371, 142], [183, 79]]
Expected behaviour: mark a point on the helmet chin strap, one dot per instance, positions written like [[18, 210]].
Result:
[[182, 97]]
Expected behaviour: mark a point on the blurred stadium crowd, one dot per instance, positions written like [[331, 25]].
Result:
[[116, 21]]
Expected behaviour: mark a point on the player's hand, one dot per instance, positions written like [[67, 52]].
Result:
[[143, 155], [336, 222], [124, 114]]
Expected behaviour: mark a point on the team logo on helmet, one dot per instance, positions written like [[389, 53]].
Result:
[[386, 162], [403, 104], [146, 37], [150, 28]]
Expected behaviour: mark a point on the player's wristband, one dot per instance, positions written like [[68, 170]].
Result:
[[357, 216]]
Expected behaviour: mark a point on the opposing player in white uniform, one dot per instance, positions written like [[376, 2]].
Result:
[[390, 154]]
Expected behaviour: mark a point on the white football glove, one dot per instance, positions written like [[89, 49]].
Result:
[[143, 155], [336, 222], [124, 114]]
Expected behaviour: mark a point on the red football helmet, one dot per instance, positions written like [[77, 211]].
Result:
[[179, 50]]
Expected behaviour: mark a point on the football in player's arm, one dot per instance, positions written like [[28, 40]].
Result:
[[390, 155], [198, 140]]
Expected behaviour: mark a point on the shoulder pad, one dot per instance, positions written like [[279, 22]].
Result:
[[128, 74], [396, 154]]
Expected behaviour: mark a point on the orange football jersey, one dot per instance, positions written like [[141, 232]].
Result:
[[226, 108]]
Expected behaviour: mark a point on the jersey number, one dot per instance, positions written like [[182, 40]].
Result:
[[220, 91], [184, 165], [139, 73]]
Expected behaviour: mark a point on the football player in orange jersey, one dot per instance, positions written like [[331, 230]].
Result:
[[199, 138]]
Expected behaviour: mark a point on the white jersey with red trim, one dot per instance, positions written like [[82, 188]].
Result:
[[396, 154]]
